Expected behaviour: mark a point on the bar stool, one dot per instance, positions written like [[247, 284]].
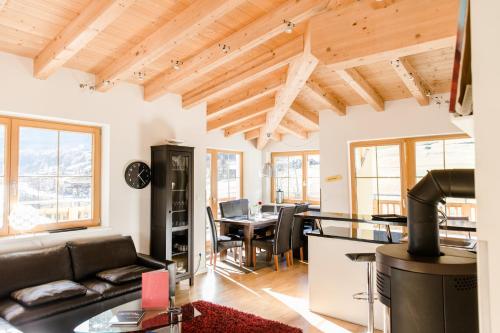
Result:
[[368, 296]]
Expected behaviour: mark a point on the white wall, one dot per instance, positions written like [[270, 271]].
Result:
[[485, 74], [402, 118], [130, 127]]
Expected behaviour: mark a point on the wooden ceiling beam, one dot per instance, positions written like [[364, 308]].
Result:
[[307, 116], [246, 95], [246, 125], [94, 18], [362, 88], [230, 80], [252, 35], [252, 134], [291, 127], [185, 25], [298, 73], [335, 103], [246, 112], [372, 35], [415, 84]]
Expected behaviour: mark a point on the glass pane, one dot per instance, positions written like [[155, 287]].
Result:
[[37, 152], [295, 167], [234, 188], [295, 189], [75, 198], [366, 195], [313, 189], [75, 154], [459, 154], [429, 155], [389, 190], [37, 200], [388, 161], [281, 165], [208, 178], [2, 198], [282, 184], [366, 162], [313, 166], [223, 189]]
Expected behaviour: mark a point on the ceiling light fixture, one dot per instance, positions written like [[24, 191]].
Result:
[[176, 64], [225, 48], [289, 26], [140, 75]]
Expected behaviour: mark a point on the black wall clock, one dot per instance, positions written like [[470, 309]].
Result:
[[138, 175]]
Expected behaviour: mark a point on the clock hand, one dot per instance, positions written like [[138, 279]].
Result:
[[139, 176]]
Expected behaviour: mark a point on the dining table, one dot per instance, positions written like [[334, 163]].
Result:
[[248, 224]]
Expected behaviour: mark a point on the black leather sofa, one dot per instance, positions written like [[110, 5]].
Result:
[[56, 288]]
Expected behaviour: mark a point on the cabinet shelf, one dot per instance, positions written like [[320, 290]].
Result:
[[179, 211], [180, 228]]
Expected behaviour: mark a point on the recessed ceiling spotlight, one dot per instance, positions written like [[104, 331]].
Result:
[[289, 26], [140, 75], [176, 64]]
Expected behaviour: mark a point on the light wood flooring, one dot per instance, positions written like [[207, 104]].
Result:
[[280, 296]]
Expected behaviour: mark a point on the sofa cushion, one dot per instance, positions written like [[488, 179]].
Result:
[[123, 274], [48, 292], [108, 290], [95, 255], [18, 314], [30, 268]]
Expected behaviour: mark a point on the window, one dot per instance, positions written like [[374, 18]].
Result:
[[297, 174], [224, 177], [383, 170], [50, 174], [377, 178]]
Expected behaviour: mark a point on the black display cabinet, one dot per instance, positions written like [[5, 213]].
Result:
[[172, 207]]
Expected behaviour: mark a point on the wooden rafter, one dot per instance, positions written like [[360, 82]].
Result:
[[254, 134], [244, 126], [96, 16], [187, 24], [259, 67], [248, 111], [416, 86], [307, 116], [291, 127], [371, 35], [335, 103], [264, 87], [362, 88], [297, 75], [229, 48]]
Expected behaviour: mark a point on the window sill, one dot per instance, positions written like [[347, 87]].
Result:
[[41, 239]]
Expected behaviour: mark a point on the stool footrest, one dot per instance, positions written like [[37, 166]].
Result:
[[363, 296]]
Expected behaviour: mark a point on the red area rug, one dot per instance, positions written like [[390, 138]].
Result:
[[220, 319]]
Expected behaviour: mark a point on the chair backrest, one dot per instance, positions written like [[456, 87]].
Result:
[[213, 228], [298, 227], [283, 230], [234, 208]]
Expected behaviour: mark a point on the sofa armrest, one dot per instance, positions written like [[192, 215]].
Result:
[[148, 261]]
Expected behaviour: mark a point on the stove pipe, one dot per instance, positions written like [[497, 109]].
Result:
[[423, 199]]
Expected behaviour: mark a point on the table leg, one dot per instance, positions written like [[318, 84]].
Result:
[[247, 238], [223, 231]]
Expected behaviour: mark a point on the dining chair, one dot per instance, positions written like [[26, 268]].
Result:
[[297, 234], [279, 243], [223, 242], [234, 208]]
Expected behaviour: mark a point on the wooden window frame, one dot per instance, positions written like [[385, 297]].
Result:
[[407, 162], [304, 154], [12, 167], [213, 177]]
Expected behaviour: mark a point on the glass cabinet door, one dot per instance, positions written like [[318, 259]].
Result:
[[180, 209]]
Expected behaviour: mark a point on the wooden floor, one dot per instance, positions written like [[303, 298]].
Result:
[[280, 296]]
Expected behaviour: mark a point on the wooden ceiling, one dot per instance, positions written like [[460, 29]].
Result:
[[264, 68]]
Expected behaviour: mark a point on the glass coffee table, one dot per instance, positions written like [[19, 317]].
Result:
[[153, 319]]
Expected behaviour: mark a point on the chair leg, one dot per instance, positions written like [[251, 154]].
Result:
[[241, 256], [301, 253], [254, 256], [287, 255], [276, 263], [290, 253], [215, 261], [236, 254]]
